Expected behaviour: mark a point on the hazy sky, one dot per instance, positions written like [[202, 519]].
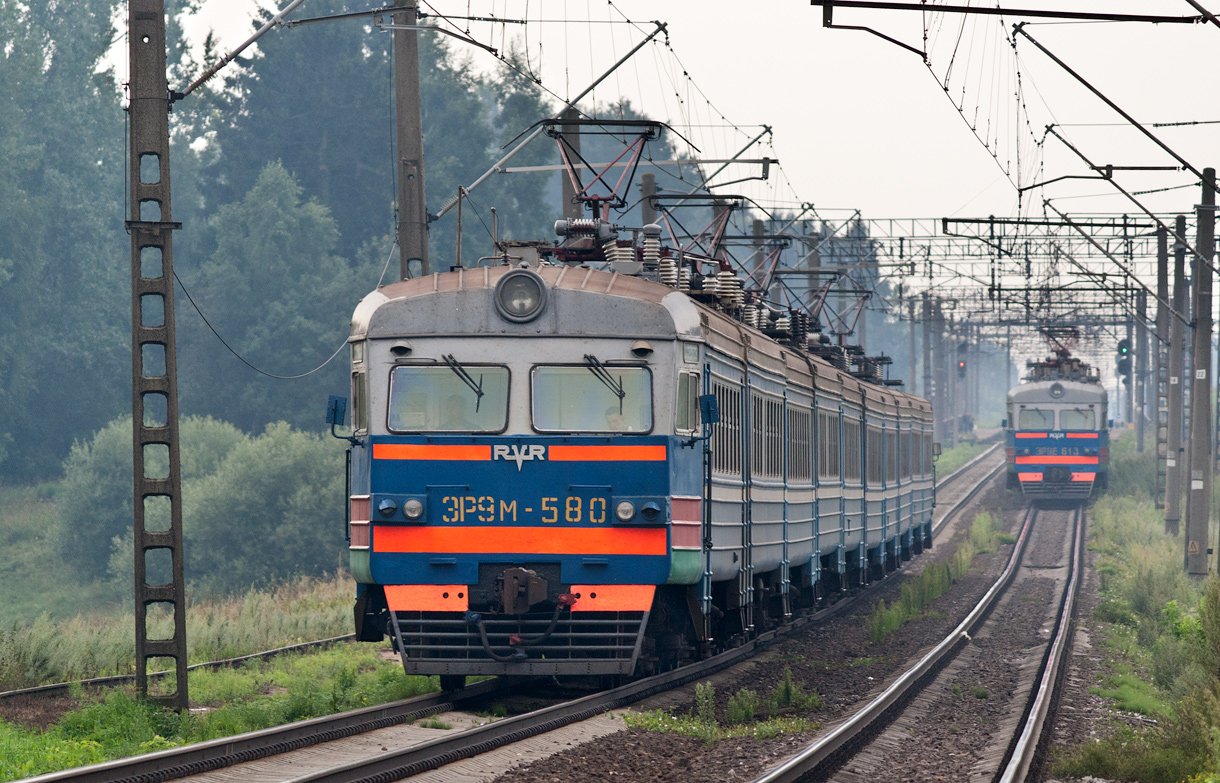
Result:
[[860, 123]]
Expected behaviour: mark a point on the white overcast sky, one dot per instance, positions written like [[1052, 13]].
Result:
[[860, 123]]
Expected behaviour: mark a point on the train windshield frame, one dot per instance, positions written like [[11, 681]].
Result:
[[594, 398], [439, 398]]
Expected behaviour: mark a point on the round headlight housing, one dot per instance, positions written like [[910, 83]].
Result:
[[625, 510], [413, 508], [520, 296]]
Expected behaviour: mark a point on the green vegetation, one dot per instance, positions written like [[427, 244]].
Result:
[[953, 458], [256, 695], [98, 644], [746, 714], [934, 581], [1161, 632]]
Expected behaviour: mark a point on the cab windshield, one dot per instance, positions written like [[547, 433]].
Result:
[[1035, 419], [453, 398], [592, 398], [1077, 419]]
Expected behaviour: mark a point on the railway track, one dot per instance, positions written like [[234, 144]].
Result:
[[377, 743], [931, 700]]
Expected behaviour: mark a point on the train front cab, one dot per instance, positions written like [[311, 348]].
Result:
[[525, 534], [1057, 447]]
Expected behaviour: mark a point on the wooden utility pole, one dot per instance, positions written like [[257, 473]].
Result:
[[156, 499], [412, 210], [1198, 493]]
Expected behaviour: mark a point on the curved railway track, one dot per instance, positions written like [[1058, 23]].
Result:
[[874, 743], [397, 757]]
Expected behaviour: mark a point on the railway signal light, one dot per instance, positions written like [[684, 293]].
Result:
[[1123, 360], [961, 368]]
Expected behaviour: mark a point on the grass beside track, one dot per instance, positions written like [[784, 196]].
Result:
[[256, 695], [1160, 632]]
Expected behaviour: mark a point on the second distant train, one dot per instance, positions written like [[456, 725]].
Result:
[[1056, 433]]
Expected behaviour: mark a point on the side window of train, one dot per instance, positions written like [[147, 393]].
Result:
[[828, 445], [360, 388], [852, 453], [767, 436], [800, 454], [726, 436], [686, 410], [874, 456], [360, 391]]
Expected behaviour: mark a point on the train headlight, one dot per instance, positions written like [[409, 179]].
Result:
[[413, 508], [520, 296], [625, 510], [387, 508]]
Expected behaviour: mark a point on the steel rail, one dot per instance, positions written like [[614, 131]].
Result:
[[1028, 745], [886, 704]]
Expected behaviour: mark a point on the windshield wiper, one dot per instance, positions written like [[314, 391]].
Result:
[[460, 371], [594, 365]]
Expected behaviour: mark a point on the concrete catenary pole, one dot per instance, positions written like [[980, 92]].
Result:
[[1198, 492], [157, 480], [1175, 459], [409, 134], [1160, 341], [1139, 382]]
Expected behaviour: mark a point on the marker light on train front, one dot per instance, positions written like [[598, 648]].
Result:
[[625, 510], [413, 508], [387, 508], [520, 295]]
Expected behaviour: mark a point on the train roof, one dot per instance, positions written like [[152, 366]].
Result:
[[584, 302], [1058, 392]]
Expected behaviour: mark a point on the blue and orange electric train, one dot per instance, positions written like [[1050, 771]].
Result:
[[1057, 437], [611, 466]]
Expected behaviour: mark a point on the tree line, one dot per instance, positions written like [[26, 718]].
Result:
[[283, 181]]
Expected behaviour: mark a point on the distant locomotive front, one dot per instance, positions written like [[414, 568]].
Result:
[[1058, 443]]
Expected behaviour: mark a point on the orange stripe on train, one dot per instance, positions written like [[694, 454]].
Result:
[[606, 453], [613, 598], [430, 451], [427, 598], [1058, 460], [520, 540]]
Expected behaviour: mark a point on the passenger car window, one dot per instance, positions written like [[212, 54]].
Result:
[[438, 399], [580, 399]]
